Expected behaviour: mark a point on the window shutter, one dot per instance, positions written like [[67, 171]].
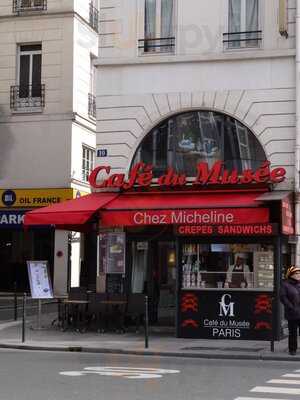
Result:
[[282, 18]]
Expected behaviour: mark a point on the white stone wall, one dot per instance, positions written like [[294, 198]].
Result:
[[39, 150], [199, 27], [256, 92]]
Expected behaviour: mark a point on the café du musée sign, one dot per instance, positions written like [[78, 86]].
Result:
[[226, 315], [142, 175]]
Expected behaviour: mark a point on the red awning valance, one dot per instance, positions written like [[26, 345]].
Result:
[[71, 214], [127, 209], [116, 209]]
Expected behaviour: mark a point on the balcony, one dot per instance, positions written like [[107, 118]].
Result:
[[27, 98], [92, 106], [157, 45], [240, 40], [94, 18], [20, 6]]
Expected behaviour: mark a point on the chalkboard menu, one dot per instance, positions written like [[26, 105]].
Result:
[[112, 253], [114, 284]]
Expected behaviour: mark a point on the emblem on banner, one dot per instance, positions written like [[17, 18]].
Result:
[[226, 308]]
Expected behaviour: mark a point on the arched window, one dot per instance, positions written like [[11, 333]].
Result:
[[184, 140]]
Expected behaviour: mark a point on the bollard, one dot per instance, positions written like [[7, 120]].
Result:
[[24, 317], [15, 302], [146, 323], [272, 348], [39, 314]]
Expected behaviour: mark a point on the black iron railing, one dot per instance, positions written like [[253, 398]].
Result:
[[157, 45], [29, 5], [233, 40], [94, 18], [92, 106], [27, 96]]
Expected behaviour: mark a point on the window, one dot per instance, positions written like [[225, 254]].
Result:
[[92, 98], [186, 139], [94, 15], [158, 26], [88, 157], [243, 24], [29, 5], [29, 93]]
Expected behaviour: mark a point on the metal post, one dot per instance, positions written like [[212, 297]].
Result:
[[39, 314], [272, 344], [146, 323], [24, 317], [15, 302]]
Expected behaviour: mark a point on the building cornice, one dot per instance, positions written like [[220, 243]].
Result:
[[47, 14], [177, 59]]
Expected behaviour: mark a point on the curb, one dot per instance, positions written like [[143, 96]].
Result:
[[217, 356]]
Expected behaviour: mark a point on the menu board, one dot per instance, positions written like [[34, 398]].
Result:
[[39, 280], [264, 269], [112, 253], [103, 253]]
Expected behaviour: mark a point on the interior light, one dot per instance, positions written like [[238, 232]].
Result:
[[171, 258]]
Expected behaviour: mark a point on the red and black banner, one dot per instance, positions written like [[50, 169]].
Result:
[[225, 315]]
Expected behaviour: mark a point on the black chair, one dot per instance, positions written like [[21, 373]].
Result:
[[135, 312], [97, 311], [117, 304], [77, 293], [76, 314]]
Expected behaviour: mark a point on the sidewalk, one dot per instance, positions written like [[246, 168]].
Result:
[[160, 344]]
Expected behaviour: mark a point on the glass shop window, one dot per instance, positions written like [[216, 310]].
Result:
[[234, 266]]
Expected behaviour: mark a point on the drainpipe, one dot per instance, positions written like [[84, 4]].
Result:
[[297, 144]]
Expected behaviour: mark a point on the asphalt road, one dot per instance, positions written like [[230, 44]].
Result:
[[26, 375]]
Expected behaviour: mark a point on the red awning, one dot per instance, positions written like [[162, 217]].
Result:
[[71, 214], [122, 210], [117, 209], [175, 200]]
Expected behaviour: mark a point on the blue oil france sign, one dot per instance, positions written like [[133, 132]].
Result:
[[10, 219]]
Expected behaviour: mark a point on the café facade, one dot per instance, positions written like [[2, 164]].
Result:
[[200, 221]]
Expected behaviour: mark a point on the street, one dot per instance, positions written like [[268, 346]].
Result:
[[34, 375]]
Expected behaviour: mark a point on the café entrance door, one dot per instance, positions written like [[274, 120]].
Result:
[[164, 283], [154, 273]]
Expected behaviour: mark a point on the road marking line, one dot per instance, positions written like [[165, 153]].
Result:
[[133, 370], [256, 398], [117, 374], [291, 376], [285, 381], [268, 389], [123, 372], [156, 370]]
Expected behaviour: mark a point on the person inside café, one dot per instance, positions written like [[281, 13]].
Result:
[[238, 274]]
